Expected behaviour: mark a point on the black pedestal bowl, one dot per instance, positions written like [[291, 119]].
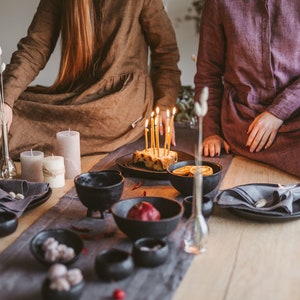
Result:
[[98, 191]]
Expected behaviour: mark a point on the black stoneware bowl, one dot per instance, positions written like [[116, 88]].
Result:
[[8, 223], [170, 210], [113, 264], [150, 252], [62, 236], [74, 293], [207, 206], [98, 191], [184, 184]]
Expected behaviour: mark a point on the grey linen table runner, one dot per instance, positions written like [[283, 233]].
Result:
[[271, 199], [30, 190]]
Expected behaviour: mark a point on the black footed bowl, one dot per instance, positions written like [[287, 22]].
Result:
[[207, 206], [98, 191], [113, 264], [150, 252], [8, 223], [184, 184], [170, 210]]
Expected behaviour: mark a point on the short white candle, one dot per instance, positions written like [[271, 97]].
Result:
[[68, 146], [54, 171], [32, 165]]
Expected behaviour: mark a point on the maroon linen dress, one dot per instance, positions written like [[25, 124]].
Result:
[[249, 57]]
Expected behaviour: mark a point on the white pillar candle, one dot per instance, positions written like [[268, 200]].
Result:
[[68, 146], [32, 165], [54, 171]]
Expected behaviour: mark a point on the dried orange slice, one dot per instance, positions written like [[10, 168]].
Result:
[[183, 171], [205, 170]]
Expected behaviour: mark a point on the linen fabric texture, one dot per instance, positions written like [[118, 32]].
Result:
[[119, 89], [249, 58]]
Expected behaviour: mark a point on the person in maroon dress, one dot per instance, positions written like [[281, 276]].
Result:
[[249, 58]]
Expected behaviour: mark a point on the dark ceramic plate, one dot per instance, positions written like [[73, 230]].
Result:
[[139, 170], [63, 236], [39, 200], [263, 217]]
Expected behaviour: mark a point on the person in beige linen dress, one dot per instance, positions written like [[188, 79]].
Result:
[[105, 88]]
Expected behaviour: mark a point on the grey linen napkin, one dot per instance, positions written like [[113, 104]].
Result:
[[270, 199], [30, 190]]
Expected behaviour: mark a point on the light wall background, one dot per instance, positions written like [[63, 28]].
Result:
[[16, 15]]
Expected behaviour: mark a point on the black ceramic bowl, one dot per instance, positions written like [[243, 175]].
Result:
[[184, 184], [74, 293], [113, 264], [63, 236], [8, 223], [150, 252], [207, 206], [171, 212], [98, 191]]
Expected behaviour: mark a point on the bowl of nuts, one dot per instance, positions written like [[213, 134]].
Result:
[[63, 283], [56, 245]]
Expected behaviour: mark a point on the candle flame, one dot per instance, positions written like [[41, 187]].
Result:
[[146, 123]]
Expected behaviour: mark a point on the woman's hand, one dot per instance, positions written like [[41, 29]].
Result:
[[262, 131], [212, 146]]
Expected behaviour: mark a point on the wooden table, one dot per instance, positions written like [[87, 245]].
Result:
[[244, 259]]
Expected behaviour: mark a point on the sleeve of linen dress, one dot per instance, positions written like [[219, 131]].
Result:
[[210, 67], [33, 51], [161, 38]]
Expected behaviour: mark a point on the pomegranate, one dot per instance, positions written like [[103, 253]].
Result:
[[144, 211]]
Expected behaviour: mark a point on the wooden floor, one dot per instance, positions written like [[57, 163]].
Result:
[[245, 260]]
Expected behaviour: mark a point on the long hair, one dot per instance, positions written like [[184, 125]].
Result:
[[77, 42]]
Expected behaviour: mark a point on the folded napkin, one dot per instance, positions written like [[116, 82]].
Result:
[[30, 190], [270, 199]]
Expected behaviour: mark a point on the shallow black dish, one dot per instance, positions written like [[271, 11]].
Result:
[[184, 184], [113, 264], [74, 293], [150, 252], [63, 236], [171, 212], [99, 190], [39, 201], [8, 223], [207, 206], [139, 170]]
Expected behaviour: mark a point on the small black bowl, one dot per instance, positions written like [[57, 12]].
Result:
[[8, 223], [98, 191], [74, 293], [184, 184], [113, 264], [207, 206], [63, 236], [171, 212], [150, 252]]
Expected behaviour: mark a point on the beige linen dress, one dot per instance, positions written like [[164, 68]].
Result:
[[119, 91]]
